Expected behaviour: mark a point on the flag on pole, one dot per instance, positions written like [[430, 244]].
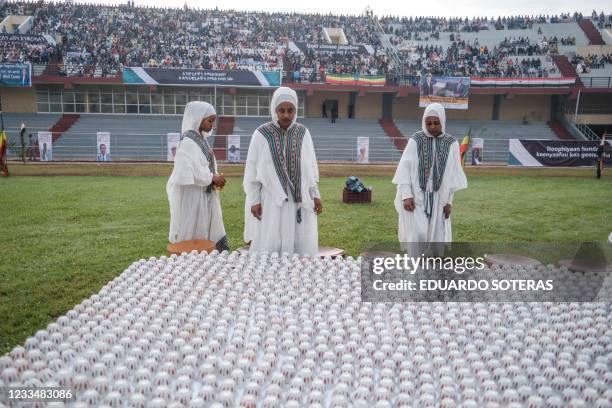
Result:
[[465, 144], [3, 149]]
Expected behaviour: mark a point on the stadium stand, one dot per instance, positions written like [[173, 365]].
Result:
[[34, 123], [100, 40], [130, 137], [335, 142]]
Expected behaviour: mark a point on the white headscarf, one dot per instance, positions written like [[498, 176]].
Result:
[[194, 113], [283, 94], [437, 110]]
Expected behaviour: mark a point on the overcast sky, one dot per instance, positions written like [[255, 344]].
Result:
[[398, 7]]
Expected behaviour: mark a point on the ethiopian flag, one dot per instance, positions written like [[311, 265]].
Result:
[[355, 79], [464, 147]]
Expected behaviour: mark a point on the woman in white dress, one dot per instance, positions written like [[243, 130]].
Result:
[[280, 182], [195, 205], [427, 176]]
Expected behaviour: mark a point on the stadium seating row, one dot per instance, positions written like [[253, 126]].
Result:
[[133, 138]]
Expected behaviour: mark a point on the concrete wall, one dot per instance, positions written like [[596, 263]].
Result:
[[18, 99], [532, 107], [480, 108], [407, 108], [369, 106]]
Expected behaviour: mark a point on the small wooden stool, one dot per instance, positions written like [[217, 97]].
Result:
[[188, 246], [329, 251]]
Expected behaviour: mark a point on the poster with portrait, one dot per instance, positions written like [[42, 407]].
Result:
[[477, 151], [103, 147], [450, 92], [45, 145], [233, 148], [363, 150], [173, 141]]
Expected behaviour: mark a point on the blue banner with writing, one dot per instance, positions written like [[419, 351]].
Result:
[[16, 74]]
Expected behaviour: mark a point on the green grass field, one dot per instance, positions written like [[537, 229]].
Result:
[[63, 238]]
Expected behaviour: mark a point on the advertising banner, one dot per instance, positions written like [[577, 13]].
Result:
[[166, 76], [450, 92], [556, 153]]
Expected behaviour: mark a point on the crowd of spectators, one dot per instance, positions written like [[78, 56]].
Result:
[[116, 36], [98, 40], [426, 28], [37, 53], [313, 66], [461, 59], [584, 65], [600, 20]]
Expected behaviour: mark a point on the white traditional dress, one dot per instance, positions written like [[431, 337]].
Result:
[[281, 174], [430, 172], [195, 207]]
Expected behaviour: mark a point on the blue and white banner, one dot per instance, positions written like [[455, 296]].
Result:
[[555, 153], [168, 76], [16, 74], [522, 82]]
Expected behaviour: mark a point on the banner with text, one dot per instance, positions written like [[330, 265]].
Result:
[[332, 48], [16, 74], [30, 39], [451, 92], [524, 82], [556, 153], [166, 76]]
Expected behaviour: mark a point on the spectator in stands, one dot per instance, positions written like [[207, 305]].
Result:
[[280, 182], [195, 205], [425, 189], [103, 154]]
